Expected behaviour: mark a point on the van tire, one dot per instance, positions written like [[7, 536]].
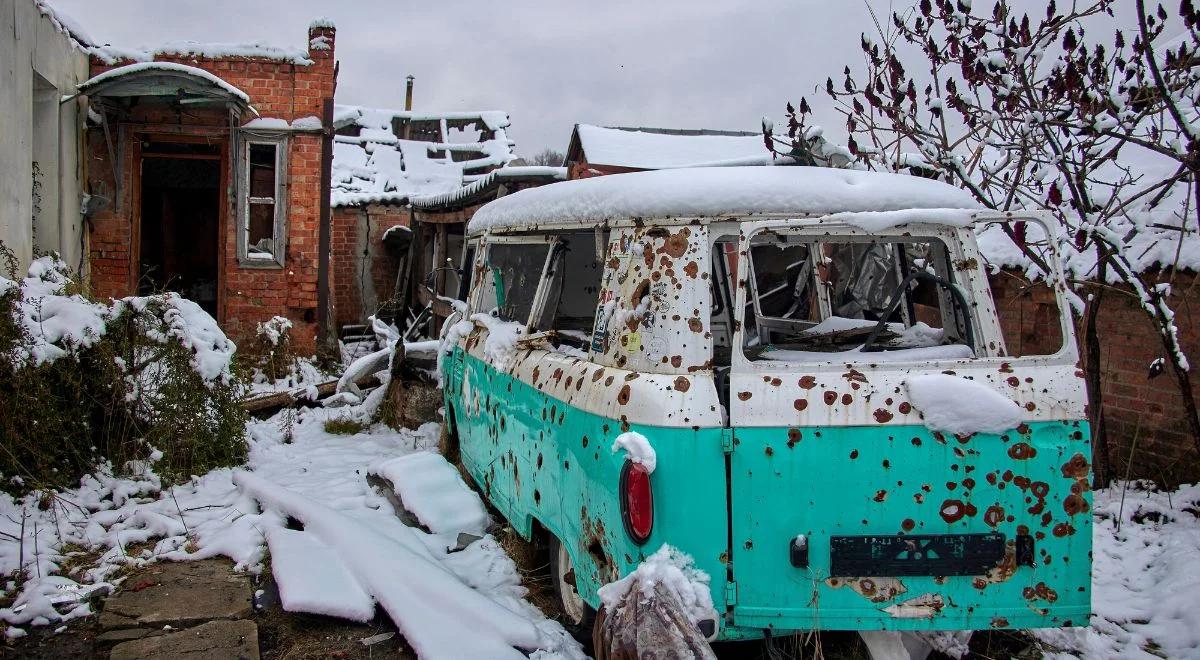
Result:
[[577, 616]]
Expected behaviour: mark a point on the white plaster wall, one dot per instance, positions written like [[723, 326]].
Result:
[[38, 65]]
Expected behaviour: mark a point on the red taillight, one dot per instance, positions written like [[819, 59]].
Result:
[[637, 502]]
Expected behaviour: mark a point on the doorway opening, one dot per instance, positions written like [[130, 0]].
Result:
[[180, 221]]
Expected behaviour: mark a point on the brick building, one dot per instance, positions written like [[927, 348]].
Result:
[[206, 160]]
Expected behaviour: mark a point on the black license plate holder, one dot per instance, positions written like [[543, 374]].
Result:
[[908, 554]]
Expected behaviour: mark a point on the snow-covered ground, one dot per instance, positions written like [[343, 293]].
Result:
[[1144, 573], [292, 459]]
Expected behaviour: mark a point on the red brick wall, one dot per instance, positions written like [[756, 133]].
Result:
[[248, 296], [1135, 405], [359, 257]]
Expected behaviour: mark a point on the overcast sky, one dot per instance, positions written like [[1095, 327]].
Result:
[[549, 64]]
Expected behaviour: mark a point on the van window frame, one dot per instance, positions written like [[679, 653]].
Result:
[[990, 347], [482, 253]]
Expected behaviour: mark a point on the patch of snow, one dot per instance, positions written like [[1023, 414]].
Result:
[[718, 192], [439, 616], [66, 24], [309, 123], [110, 55], [267, 123], [275, 330], [960, 406], [637, 449], [312, 578], [674, 570], [654, 151], [435, 493]]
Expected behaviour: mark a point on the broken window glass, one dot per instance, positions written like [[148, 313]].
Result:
[[262, 206], [893, 297], [514, 271], [566, 304]]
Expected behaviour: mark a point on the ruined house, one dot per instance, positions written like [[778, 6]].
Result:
[[206, 169], [426, 172], [208, 159]]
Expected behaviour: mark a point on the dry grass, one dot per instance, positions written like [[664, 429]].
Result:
[[344, 426]]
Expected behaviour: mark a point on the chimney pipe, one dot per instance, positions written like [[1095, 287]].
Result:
[[408, 94]]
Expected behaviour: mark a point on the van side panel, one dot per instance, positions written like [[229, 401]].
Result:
[[889, 481], [537, 457]]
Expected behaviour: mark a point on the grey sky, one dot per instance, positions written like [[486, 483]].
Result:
[[550, 64]]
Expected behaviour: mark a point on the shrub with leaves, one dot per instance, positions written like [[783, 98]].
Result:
[[83, 382]]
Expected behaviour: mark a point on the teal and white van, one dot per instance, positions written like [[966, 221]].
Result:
[[843, 434]]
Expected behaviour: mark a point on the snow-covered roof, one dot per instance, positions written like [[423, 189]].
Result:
[[655, 149], [700, 192], [144, 77], [109, 54], [374, 163], [66, 24]]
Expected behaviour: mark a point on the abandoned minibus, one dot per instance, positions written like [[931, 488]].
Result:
[[798, 377]]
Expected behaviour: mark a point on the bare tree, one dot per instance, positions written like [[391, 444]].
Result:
[[548, 157], [1030, 113]]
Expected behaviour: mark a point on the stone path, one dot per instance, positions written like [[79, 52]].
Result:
[[196, 609]]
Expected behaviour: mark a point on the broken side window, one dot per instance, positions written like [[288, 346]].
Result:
[[263, 201], [892, 297], [513, 272], [566, 303], [1031, 319]]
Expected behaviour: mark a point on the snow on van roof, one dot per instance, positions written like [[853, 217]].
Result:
[[656, 149], [698, 192]]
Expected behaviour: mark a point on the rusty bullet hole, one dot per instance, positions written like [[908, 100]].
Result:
[[691, 269], [1076, 467], [695, 324], [953, 510], [916, 441], [853, 454], [608, 381], [682, 384], [1022, 451], [846, 399], [676, 361], [537, 497], [800, 404], [882, 416], [904, 407], [830, 397], [1074, 504], [908, 524], [775, 382], [807, 382], [770, 451], [994, 515], [539, 460], [968, 483], [748, 544], [950, 485], [1063, 529], [919, 498], [1014, 381], [585, 442], [744, 396], [793, 437], [880, 495], [886, 464], [1040, 489]]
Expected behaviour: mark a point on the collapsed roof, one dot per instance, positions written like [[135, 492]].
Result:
[[390, 156]]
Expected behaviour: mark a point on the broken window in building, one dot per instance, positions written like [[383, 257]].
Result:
[[891, 296], [263, 201]]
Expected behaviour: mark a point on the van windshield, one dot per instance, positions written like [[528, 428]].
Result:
[[893, 297]]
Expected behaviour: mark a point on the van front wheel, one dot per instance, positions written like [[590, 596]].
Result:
[[578, 616]]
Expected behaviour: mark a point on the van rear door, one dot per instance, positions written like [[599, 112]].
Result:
[[847, 511]]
